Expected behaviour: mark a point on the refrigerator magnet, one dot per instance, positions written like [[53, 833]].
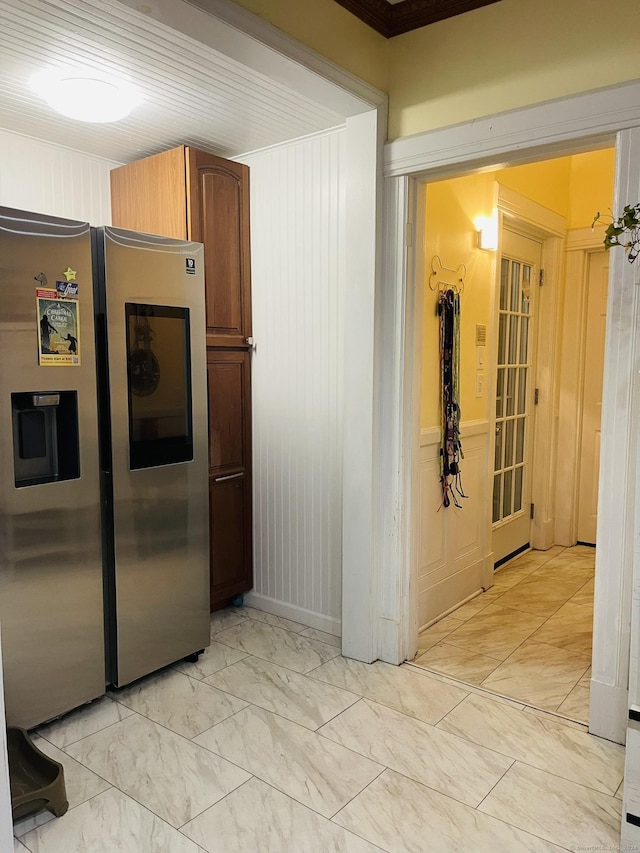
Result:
[[67, 289], [58, 332]]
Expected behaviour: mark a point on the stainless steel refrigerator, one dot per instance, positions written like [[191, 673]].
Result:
[[50, 556], [103, 526], [154, 445]]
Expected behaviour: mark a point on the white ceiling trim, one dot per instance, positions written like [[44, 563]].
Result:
[[246, 22]]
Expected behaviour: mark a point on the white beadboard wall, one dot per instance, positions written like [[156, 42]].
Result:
[[46, 178], [297, 248], [453, 543]]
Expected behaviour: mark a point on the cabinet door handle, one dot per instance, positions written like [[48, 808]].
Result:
[[229, 477]]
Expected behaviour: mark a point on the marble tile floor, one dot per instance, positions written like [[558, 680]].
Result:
[[274, 743], [528, 637]]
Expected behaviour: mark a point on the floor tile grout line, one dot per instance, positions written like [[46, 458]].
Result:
[[255, 655], [470, 688], [215, 672], [84, 737], [315, 680], [556, 717], [506, 822], [355, 796], [569, 781], [286, 793], [204, 731], [523, 761], [144, 805], [451, 710], [217, 802], [335, 649], [125, 794], [429, 725], [249, 704], [476, 808], [495, 785]]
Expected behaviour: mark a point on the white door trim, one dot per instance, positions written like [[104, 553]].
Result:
[[568, 125], [617, 521], [531, 219], [564, 126], [580, 244]]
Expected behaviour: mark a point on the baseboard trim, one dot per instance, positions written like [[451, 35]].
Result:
[[608, 711], [297, 614]]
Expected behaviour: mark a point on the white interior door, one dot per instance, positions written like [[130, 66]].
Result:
[[519, 270], [589, 458]]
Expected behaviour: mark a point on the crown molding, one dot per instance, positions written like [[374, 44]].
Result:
[[394, 19]]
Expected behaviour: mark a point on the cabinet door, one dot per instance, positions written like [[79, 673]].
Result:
[[218, 212], [229, 383], [229, 500]]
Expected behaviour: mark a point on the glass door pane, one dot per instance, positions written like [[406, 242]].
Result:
[[511, 389]]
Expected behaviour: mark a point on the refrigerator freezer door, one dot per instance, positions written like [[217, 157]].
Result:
[[51, 613], [155, 335]]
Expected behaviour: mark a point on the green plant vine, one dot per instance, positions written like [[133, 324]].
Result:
[[624, 231]]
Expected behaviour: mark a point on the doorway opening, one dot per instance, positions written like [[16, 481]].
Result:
[[505, 583]]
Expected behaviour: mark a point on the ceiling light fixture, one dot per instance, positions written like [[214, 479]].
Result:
[[85, 94]]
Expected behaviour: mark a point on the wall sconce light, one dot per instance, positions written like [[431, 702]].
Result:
[[487, 228]]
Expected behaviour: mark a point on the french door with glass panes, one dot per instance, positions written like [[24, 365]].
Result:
[[519, 270]]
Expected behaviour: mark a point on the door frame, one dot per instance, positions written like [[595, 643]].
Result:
[[530, 219], [566, 126], [581, 244]]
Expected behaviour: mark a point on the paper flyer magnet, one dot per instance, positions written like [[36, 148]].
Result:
[[67, 289], [58, 331]]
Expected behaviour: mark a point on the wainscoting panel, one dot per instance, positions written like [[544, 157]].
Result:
[[297, 247], [453, 542], [44, 178]]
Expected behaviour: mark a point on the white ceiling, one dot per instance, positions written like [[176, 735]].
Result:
[[193, 93]]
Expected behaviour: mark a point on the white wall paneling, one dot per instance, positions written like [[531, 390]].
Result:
[[452, 548], [297, 246], [46, 178]]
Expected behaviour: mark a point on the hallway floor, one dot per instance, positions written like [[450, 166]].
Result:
[[528, 637], [273, 743]]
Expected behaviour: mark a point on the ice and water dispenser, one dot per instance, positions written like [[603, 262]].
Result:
[[45, 437]]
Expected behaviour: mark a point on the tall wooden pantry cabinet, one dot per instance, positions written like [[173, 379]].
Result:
[[189, 194]]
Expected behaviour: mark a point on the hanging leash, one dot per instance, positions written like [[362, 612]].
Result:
[[450, 443]]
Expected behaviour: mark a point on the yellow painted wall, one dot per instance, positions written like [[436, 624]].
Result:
[[575, 187], [500, 57], [591, 186], [507, 55], [546, 183], [330, 30], [451, 207]]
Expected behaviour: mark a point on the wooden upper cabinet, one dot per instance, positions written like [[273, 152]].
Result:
[[150, 195], [218, 216], [189, 194]]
